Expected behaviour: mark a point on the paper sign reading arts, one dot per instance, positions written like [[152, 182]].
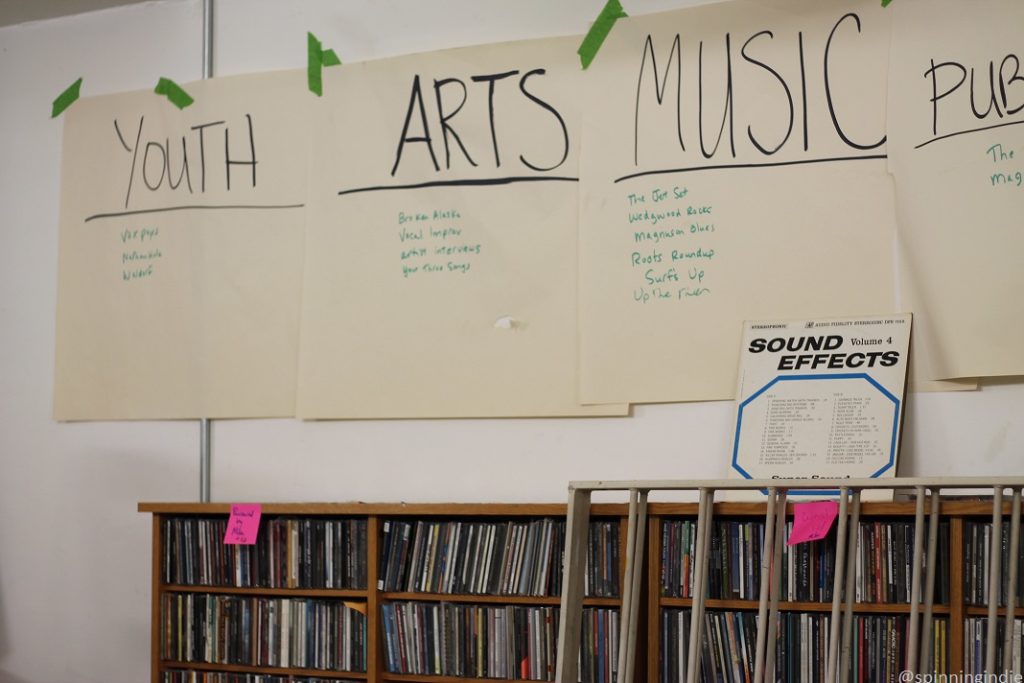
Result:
[[811, 521], [440, 271], [820, 398], [244, 524]]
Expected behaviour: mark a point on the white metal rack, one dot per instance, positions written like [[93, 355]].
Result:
[[840, 639]]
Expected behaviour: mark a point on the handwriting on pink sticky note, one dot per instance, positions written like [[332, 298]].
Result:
[[243, 524], [811, 521]]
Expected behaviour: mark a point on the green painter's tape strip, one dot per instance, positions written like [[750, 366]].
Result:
[[66, 98], [178, 97], [314, 65], [317, 60], [611, 13], [330, 58]]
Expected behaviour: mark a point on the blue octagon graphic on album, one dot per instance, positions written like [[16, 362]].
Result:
[[797, 378]]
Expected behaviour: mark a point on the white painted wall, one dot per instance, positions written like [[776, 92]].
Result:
[[74, 554]]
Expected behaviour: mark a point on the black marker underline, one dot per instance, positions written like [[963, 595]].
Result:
[[194, 207], [465, 182], [762, 165], [965, 132]]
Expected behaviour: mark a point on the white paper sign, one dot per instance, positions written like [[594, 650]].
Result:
[[956, 151], [440, 271], [732, 168]]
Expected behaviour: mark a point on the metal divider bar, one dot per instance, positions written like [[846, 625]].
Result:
[[626, 612], [850, 593], [638, 566], [766, 567], [1011, 581], [577, 523], [837, 587], [776, 587], [993, 578], [924, 662], [705, 512], [915, 583]]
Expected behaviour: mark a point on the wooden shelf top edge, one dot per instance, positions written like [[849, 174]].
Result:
[[167, 664], [947, 508], [358, 508], [460, 598], [859, 607], [257, 591], [982, 611], [431, 678]]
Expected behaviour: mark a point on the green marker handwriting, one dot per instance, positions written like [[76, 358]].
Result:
[[1008, 175]]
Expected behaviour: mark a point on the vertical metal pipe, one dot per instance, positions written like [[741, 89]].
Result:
[[776, 587], [850, 593], [626, 612], [638, 567], [925, 660], [1011, 581], [995, 557], [767, 548], [204, 461], [704, 515], [915, 583], [837, 587], [207, 38], [204, 424]]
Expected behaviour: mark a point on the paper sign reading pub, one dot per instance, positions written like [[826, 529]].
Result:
[[820, 399]]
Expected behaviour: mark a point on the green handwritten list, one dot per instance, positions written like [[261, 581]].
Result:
[[672, 246], [435, 243], [1006, 170], [140, 252]]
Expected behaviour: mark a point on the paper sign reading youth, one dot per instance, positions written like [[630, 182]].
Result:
[[244, 524], [811, 521], [180, 268]]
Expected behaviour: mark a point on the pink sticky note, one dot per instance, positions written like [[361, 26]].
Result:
[[243, 524], [811, 521]]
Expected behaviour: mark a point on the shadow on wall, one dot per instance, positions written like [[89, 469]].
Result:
[[4, 643], [8, 678]]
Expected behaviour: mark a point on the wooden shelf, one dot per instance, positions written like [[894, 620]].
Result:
[[375, 515], [859, 607], [955, 512], [257, 592], [359, 509], [414, 678], [242, 668], [494, 599], [947, 508], [982, 611]]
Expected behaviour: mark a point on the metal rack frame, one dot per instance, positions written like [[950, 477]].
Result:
[[840, 639]]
